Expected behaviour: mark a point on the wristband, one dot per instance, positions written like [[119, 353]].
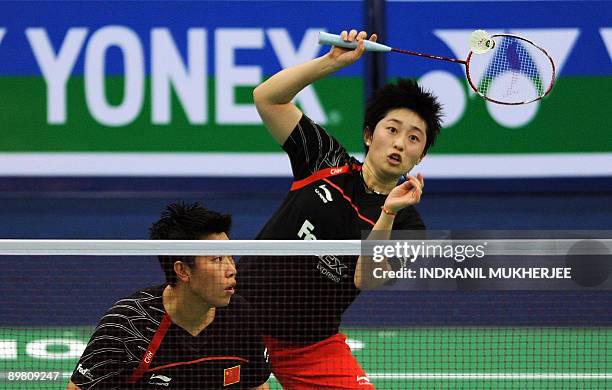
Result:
[[388, 212]]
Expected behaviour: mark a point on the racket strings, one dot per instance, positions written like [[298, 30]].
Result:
[[511, 73]]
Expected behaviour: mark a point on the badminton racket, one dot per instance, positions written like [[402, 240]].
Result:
[[502, 68]]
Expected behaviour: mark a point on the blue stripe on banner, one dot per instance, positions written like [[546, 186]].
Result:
[[141, 17], [296, 17]]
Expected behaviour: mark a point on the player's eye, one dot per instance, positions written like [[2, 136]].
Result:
[[217, 259], [392, 130], [413, 138]]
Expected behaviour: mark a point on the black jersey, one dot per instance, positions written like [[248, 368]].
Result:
[[136, 346], [301, 299]]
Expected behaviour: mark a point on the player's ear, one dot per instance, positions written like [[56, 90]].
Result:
[[367, 136], [182, 271]]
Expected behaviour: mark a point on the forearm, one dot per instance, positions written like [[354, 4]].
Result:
[[273, 98], [364, 272], [406, 194], [284, 85]]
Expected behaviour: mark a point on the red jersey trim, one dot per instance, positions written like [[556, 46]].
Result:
[[211, 358], [350, 202], [322, 174], [149, 354]]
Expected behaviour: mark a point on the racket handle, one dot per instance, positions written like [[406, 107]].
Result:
[[335, 40]]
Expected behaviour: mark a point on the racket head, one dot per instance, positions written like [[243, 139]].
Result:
[[516, 71]]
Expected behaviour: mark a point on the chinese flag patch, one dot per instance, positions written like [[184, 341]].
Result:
[[231, 375]]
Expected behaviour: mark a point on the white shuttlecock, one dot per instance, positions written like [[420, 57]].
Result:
[[481, 42]]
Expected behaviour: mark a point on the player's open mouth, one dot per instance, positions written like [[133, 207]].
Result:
[[394, 159], [230, 289]]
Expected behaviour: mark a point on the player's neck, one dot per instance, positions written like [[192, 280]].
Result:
[[187, 311], [375, 182]]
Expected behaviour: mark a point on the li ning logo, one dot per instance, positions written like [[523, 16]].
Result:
[[159, 380], [324, 193]]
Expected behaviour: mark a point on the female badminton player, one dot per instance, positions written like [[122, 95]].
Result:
[[300, 300]]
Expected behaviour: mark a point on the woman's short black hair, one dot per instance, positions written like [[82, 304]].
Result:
[[405, 93]]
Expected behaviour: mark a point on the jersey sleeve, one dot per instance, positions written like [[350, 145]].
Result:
[[311, 148], [103, 364]]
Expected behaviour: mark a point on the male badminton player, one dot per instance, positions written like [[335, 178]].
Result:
[[191, 333], [300, 300]]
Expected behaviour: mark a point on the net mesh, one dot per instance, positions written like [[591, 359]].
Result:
[[451, 339], [513, 72]]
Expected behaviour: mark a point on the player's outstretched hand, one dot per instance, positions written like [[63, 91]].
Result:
[[344, 57], [406, 194]]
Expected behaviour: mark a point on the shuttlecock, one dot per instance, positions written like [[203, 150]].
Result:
[[481, 42]]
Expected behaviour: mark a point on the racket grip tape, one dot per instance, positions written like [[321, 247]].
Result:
[[335, 40]]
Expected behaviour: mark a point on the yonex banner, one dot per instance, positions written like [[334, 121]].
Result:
[[164, 88]]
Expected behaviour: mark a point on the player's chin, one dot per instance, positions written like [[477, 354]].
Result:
[[395, 171], [224, 300], [394, 167]]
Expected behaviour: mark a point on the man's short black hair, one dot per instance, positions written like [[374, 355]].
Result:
[[182, 221], [405, 93]]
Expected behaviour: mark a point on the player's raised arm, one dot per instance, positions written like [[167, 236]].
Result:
[[273, 98]]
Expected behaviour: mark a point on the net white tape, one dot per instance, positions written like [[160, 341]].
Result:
[[498, 247]]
